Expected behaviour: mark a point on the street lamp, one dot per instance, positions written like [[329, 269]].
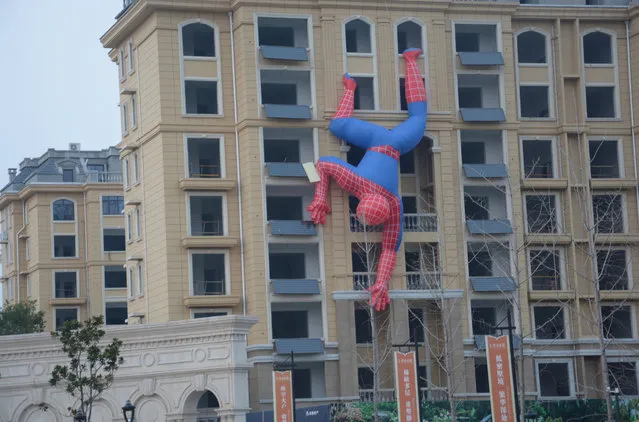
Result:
[[79, 416], [128, 410]]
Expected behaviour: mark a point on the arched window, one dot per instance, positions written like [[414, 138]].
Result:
[[206, 407], [597, 48], [531, 48], [63, 210], [358, 37], [198, 40], [409, 35]]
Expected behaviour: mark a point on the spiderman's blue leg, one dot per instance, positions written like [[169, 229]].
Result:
[[357, 132]]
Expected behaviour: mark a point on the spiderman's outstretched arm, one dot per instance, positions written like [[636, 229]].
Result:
[[407, 135], [344, 126], [344, 175]]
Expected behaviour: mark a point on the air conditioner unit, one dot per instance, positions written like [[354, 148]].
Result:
[[74, 146]]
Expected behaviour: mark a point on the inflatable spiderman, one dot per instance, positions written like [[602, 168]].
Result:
[[375, 180]]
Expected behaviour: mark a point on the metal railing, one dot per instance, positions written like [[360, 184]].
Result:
[[208, 287], [207, 228], [609, 171], [62, 293], [388, 394], [205, 171], [104, 177], [420, 222], [546, 282], [423, 280], [362, 281]]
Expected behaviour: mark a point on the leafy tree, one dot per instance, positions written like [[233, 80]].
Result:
[[91, 368], [21, 318]]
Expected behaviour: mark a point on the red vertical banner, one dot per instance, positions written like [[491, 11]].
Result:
[[406, 385], [282, 396], [500, 379]]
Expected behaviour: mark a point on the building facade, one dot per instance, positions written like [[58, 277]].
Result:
[[520, 203], [62, 235]]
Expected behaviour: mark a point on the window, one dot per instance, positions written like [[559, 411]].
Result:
[[597, 48], [549, 322], [534, 102], [604, 159], [476, 207], [289, 324], [134, 112], [125, 118], [480, 264], [282, 151], [613, 269], [279, 93], [363, 328], [545, 270], [66, 284], [608, 215], [131, 58], [481, 376], [484, 321], [600, 102], [115, 313], [355, 155], [130, 283], [473, 152], [136, 174], [112, 205], [122, 64], [63, 315], [409, 203], [554, 379], [531, 48], [623, 375], [416, 325], [207, 314], [114, 277], [364, 94], [541, 214], [127, 178], [64, 246], [138, 225], [67, 175], [114, 240], [466, 42], [201, 97], [617, 321], [28, 286], [207, 215], [140, 279], [358, 37], [470, 97], [63, 210], [288, 266], [365, 378], [198, 40], [209, 274], [204, 156], [276, 36], [409, 35], [538, 159], [129, 231], [27, 249], [407, 163], [284, 208]]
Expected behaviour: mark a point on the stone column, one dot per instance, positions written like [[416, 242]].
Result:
[[347, 348], [441, 99], [385, 64]]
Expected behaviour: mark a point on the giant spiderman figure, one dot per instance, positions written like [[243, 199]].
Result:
[[374, 181]]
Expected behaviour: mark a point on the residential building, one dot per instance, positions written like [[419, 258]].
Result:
[[529, 150], [62, 235]]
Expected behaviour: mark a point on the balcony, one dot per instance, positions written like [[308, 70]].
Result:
[[490, 317], [476, 45], [482, 154], [286, 210], [204, 158], [485, 210], [604, 159], [422, 266], [286, 94], [363, 280], [479, 98], [294, 269], [206, 215], [489, 267], [285, 149], [423, 281], [208, 272], [104, 177], [283, 38], [297, 327], [420, 222]]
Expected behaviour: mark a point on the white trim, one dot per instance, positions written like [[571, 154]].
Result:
[[624, 207], [549, 96], [130, 52], [633, 317], [55, 311], [628, 258], [129, 282], [129, 234], [134, 112], [620, 153], [373, 55], [138, 228], [140, 280], [28, 285], [546, 36], [214, 136], [75, 210], [136, 169], [614, 65], [54, 233], [225, 221], [571, 377], [562, 265], [227, 267], [564, 310], [125, 118], [77, 282], [398, 55], [553, 149], [122, 65], [557, 210], [216, 58], [104, 271], [127, 175], [114, 299]]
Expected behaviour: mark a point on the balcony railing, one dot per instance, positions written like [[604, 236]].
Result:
[[425, 280], [604, 171], [61, 293], [104, 177], [205, 171], [208, 228], [546, 282], [208, 287], [362, 281], [388, 394], [421, 222]]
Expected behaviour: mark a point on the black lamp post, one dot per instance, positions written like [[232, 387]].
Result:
[[615, 392], [80, 416], [128, 410], [531, 416]]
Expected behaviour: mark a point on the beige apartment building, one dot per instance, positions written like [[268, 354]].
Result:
[[62, 235], [522, 197]]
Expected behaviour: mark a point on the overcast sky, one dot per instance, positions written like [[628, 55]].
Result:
[[57, 83]]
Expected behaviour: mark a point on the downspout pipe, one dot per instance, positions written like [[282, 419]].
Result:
[[86, 256], [632, 114], [237, 162]]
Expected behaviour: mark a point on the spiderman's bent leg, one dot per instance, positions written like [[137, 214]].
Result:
[[344, 175], [344, 126], [407, 135]]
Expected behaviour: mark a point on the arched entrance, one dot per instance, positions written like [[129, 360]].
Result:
[[201, 406]]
